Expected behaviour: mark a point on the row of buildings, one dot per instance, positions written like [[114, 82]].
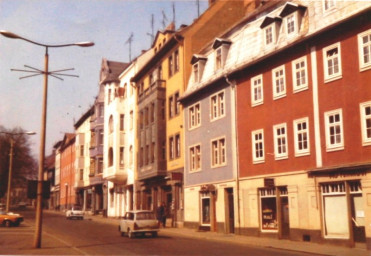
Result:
[[255, 120]]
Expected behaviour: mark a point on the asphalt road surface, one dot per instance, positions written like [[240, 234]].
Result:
[[89, 237]]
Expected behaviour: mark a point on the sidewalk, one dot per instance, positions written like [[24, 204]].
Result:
[[308, 247]]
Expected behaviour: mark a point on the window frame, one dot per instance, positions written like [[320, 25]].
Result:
[[218, 58], [334, 146], [277, 155], [295, 70], [196, 72], [330, 8], [281, 94], [366, 141], [219, 111], [294, 16], [221, 151], [297, 132], [257, 160], [335, 76], [195, 114], [272, 29], [362, 65], [193, 167], [256, 102]]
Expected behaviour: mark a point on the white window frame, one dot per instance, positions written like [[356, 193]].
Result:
[[300, 132], [196, 72], [294, 16], [366, 140], [272, 32], [194, 116], [278, 138], [303, 85], [362, 64], [281, 79], [217, 105], [329, 8], [255, 87], [218, 58], [220, 150], [193, 158], [331, 77], [256, 159], [334, 146]]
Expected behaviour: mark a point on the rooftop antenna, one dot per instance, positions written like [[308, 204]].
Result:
[[152, 27], [198, 8], [129, 41], [174, 14], [164, 19]]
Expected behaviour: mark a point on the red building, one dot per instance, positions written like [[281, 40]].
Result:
[[304, 122], [67, 176]]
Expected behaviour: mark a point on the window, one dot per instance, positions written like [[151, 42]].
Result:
[[177, 146], [81, 174], [218, 152], [141, 155], [176, 62], [366, 123], [257, 90], [171, 147], [153, 146], [328, 4], [332, 62], [334, 130], [81, 150], [291, 24], [268, 35], [100, 137], [122, 124], [301, 137], [258, 146], [131, 156], [300, 76], [217, 106], [177, 104], [195, 158], [110, 156], [110, 124], [171, 107], [147, 156], [171, 66], [100, 165], [364, 48], [280, 141], [194, 116], [218, 58], [109, 96], [279, 83], [101, 110], [152, 112], [131, 120], [195, 73], [146, 116], [151, 79], [121, 157], [159, 72]]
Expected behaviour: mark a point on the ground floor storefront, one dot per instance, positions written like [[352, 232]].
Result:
[[120, 199]]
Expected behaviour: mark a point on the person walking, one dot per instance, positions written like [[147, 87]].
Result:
[[161, 215]]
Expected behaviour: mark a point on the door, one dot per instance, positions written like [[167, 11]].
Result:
[[358, 218], [230, 211], [285, 221], [205, 211]]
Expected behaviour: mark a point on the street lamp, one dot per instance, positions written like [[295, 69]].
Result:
[[11, 163], [46, 73]]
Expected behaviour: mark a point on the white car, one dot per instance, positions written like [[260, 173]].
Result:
[[75, 212], [139, 222]]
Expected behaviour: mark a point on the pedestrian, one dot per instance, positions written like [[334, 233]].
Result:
[[160, 214], [164, 215]]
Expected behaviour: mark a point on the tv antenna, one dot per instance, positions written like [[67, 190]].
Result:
[[198, 8], [37, 72], [164, 19], [173, 4], [129, 41], [152, 27]]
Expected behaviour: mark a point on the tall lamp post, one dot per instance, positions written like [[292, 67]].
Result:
[[11, 163], [46, 73]]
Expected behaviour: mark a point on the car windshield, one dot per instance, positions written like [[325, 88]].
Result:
[[145, 216]]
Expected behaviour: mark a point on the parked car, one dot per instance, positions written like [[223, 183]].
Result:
[[139, 222], [9, 219], [75, 212]]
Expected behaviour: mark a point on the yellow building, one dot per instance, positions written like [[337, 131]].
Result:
[[160, 83]]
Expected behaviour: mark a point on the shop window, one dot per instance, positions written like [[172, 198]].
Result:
[[268, 209]]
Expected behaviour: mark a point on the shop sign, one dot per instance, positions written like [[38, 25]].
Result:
[[268, 182]]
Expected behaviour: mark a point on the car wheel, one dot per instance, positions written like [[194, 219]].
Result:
[[154, 234], [7, 223], [130, 234]]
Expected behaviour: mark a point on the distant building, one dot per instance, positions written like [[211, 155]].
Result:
[[67, 180]]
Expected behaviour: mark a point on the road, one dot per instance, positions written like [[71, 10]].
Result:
[[89, 237]]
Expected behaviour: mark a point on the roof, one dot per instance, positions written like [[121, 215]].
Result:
[[111, 70], [85, 116]]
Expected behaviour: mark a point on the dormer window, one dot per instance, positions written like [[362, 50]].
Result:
[[292, 14], [221, 47], [270, 27], [328, 5], [198, 63]]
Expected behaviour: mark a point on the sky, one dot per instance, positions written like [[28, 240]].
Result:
[[107, 23]]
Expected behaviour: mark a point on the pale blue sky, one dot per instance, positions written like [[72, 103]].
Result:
[[108, 23]]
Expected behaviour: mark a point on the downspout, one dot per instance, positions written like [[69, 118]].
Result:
[[235, 144]]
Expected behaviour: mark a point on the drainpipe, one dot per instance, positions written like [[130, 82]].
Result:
[[235, 143]]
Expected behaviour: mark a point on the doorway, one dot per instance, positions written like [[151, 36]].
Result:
[[205, 210], [285, 221], [229, 220]]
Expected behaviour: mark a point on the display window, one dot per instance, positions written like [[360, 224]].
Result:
[[268, 209]]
